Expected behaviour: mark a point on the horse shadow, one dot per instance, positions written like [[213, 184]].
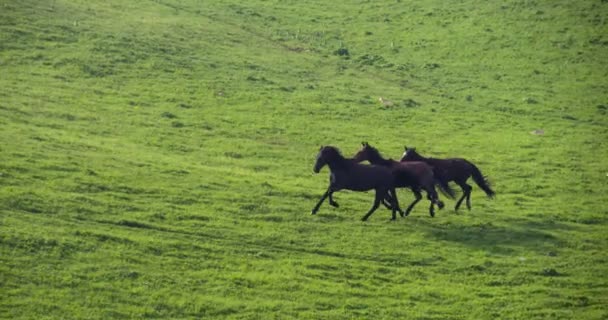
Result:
[[500, 237]]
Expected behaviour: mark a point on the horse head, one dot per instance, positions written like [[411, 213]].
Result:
[[326, 155], [320, 162], [366, 153], [410, 154]]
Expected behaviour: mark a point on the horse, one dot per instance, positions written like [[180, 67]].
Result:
[[349, 175], [415, 175], [454, 169]]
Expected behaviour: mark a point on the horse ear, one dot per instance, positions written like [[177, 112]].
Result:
[[405, 148]]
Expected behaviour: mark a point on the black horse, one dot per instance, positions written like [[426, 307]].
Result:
[[349, 175], [454, 169], [415, 175]]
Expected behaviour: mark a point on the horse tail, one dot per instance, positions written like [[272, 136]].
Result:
[[442, 183], [482, 182], [445, 188]]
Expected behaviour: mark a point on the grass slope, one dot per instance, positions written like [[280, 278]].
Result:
[[156, 158]]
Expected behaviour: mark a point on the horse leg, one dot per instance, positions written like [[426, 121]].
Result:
[[432, 207], [388, 200], [386, 203], [464, 188], [395, 204], [398, 208], [411, 206], [433, 196], [325, 195], [379, 196], [469, 188], [331, 200]]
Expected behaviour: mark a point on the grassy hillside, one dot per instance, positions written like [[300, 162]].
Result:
[[156, 158]]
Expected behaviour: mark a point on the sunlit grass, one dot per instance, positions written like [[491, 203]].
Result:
[[156, 158]]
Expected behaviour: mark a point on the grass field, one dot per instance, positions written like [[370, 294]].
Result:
[[156, 158]]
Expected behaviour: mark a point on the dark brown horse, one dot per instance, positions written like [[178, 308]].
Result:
[[416, 175], [453, 169], [349, 175]]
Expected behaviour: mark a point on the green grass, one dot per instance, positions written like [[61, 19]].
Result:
[[156, 158]]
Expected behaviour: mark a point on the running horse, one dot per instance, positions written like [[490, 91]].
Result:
[[454, 169], [349, 175], [416, 176]]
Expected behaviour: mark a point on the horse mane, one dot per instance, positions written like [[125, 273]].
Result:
[[376, 154], [335, 151], [337, 156], [334, 148], [415, 153]]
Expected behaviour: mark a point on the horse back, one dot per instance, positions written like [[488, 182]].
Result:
[[452, 168], [418, 167], [412, 173], [361, 177]]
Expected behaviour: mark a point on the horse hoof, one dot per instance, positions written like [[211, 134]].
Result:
[[313, 212], [440, 205], [334, 204]]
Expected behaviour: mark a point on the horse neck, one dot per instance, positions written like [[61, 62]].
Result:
[[418, 157], [377, 159], [429, 160], [339, 163]]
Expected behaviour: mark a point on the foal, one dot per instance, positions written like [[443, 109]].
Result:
[[349, 175], [416, 176], [453, 169]]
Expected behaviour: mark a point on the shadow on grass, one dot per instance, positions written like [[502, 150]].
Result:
[[530, 235]]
